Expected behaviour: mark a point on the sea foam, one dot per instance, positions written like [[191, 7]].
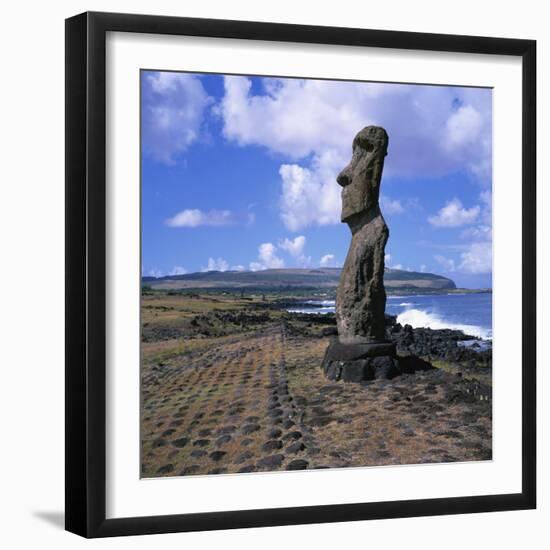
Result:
[[418, 318]]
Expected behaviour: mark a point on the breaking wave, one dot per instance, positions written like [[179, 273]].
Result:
[[321, 302], [418, 318], [312, 310]]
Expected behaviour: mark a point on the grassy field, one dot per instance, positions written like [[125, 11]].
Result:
[[232, 383]]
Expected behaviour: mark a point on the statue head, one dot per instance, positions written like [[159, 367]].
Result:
[[360, 179]]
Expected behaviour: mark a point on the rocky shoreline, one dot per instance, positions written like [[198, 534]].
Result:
[[440, 346]]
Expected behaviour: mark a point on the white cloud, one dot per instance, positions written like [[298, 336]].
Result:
[[173, 113], [390, 206], [478, 258], [267, 258], [156, 273], [453, 214], [310, 196], [448, 264], [266, 253], [218, 264], [486, 198], [295, 247], [463, 126], [178, 270], [477, 233], [195, 218], [423, 268], [238, 268], [468, 129], [388, 262], [327, 260], [312, 124]]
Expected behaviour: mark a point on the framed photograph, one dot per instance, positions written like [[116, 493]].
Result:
[[300, 274]]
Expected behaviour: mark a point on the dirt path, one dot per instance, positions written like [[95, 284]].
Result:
[[231, 413], [261, 403]]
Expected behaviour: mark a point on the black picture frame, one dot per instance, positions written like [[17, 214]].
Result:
[[86, 284]]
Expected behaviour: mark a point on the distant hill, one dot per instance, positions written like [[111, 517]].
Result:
[[326, 277]]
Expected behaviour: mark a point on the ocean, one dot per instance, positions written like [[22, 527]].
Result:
[[471, 313]]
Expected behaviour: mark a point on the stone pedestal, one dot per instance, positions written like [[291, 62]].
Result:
[[360, 362]]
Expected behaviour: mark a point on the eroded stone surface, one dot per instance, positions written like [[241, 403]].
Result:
[[361, 298], [361, 351]]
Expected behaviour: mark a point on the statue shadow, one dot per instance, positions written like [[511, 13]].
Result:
[[410, 364]]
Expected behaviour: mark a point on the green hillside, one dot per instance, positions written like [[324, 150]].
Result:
[[394, 279]]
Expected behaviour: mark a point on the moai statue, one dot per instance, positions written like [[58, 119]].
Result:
[[361, 351]]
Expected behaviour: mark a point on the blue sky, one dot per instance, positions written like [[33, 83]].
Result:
[[239, 173]]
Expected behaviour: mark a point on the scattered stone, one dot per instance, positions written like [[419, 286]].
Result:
[[192, 469], [218, 471], [198, 453], [227, 430], [243, 457], [201, 442], [181, 442], [298, 464], [216, 456], [274, 433], [319, 421], [272, 445], [166, 469], [448, 433], [273, 461], [296, 447], [247, 469], [222, 440], [313, 451], [292, 436], [250, 428]]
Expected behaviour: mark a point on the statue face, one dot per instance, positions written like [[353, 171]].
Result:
[[360, 179]]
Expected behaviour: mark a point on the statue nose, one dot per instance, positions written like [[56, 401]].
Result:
[[343, 178]]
